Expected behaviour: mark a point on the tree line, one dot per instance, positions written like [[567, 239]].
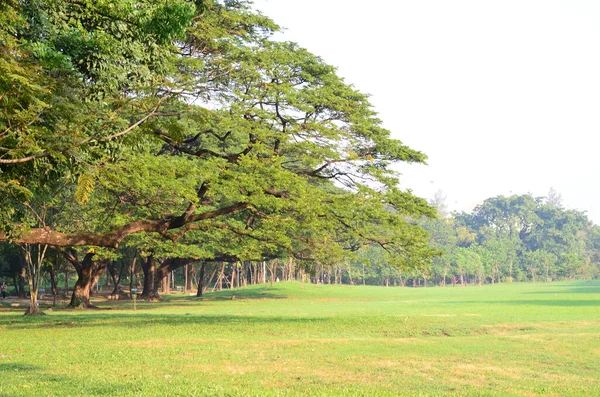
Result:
[[515, 238]]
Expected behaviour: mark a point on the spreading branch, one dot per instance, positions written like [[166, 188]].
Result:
[[113, 239]]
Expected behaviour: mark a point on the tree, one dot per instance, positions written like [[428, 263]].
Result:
[[275, 149], [554, 198], [438, 201]]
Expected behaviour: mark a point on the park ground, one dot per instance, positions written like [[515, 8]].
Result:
[[305, 339]]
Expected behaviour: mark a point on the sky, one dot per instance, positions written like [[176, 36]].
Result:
[[502, 96]]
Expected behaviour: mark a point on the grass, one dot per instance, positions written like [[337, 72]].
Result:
[[294, 339]]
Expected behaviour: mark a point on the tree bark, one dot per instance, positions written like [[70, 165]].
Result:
[[190, 277], [132, 272], [88, 271], [149, 269], [166, 267], [186, 273], [53, 281], [201, 281], [116, 277], [34, 257]]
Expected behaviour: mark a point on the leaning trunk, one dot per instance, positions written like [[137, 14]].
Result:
[[81, 291], [96, 274], [87, 271]]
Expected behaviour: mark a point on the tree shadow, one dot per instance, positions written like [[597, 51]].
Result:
[[242, 293], [12, 367], [532, 302], [146, 319], [582, 287]]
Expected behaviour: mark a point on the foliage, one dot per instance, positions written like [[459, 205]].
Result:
[[518, 238]]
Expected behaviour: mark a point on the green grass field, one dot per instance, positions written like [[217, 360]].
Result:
[[294, 339]]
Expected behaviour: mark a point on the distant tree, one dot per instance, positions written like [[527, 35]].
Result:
[[438, 201], [554, 198]]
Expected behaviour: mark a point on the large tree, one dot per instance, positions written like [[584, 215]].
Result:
[[176, 117]]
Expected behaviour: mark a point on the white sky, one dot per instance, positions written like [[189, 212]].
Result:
[[503, 96]]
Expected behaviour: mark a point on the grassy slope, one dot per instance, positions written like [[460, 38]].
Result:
[[520, 339]]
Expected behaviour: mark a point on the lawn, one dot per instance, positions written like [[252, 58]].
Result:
[[303, 339]]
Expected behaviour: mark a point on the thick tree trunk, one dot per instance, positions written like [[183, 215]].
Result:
[[149, 270], [96, 274], [162, 274], [81, 292], [201, 281], [88, 272], [164, 285]]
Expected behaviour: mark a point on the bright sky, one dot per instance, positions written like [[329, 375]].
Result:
[[503, 96]]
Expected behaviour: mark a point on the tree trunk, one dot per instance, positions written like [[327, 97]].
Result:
[[149, 269], [164, 282], [88, 271], [363, 269], [221, 276], [34, 265], [186, 273], [116, 278], [200, 281], [132, 272], [96, 274], [81, 292], [53, 281], [164, 273], [21, 288]]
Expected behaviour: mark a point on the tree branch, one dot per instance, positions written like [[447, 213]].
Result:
[[114, 238]]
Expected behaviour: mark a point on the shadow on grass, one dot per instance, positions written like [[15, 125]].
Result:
[[12, 367], [244, 293], [144, 319], [175, 300], [537, 302], [582, 287]]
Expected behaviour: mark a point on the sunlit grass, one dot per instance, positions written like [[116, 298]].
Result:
[[294, 339]]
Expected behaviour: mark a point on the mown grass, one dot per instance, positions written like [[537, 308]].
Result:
[[294, 339]]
